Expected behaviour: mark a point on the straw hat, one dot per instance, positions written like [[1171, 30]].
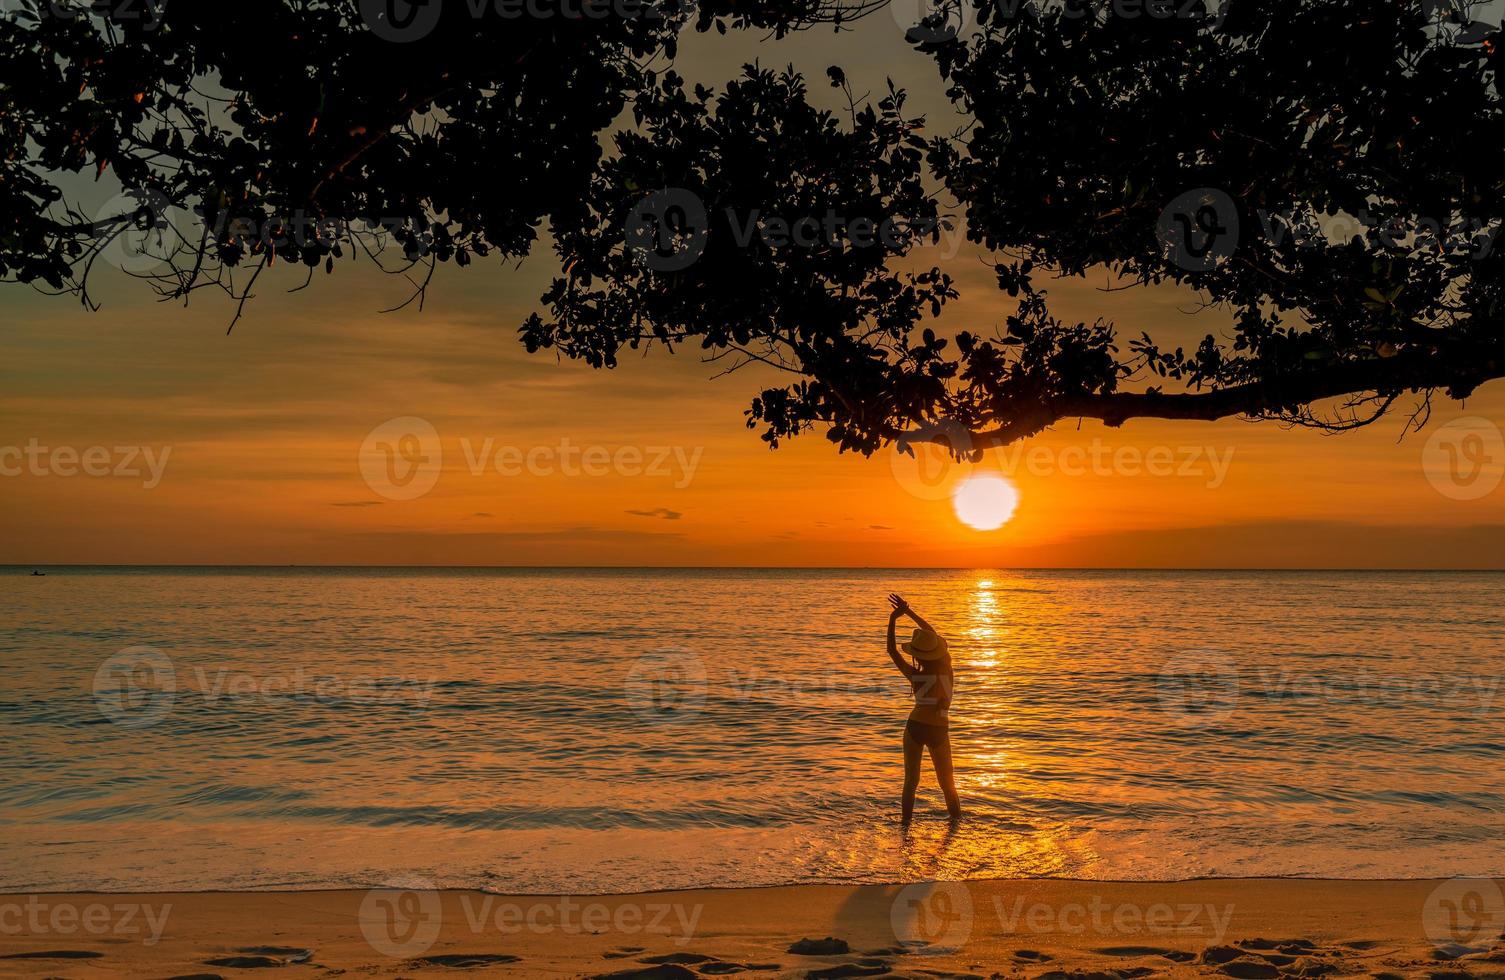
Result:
[[925, 645]]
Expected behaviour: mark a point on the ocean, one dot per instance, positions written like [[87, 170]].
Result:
[[589, 731]]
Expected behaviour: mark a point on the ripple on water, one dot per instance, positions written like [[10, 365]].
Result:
[[666, 729]]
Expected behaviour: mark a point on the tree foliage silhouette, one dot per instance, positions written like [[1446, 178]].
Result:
[[1325, 170]]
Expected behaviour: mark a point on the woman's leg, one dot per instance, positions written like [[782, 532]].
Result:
[[913, 752], [945, 774]]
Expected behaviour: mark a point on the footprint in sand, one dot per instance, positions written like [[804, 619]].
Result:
[[1284, 945], [1274, 953], [830, 946], [465, 960], [720, 968], [665, 971], [1174, 955], [683, 959], [1462, 975], [707, 965], [1453, 951], [1131, 951], [849, 970], [1249, 969], [263, 957]]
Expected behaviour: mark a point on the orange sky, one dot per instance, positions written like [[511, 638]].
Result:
[[264, 428]]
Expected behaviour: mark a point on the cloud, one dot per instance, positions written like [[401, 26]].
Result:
[[661, 513], [481, 513], [357, 503], [879, 527]]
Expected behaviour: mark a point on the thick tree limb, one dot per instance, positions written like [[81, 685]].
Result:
[[1414, 371]]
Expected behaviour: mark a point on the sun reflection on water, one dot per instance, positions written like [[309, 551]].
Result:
[[981, 631]]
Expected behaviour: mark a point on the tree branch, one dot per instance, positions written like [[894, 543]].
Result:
[[1413, 371]]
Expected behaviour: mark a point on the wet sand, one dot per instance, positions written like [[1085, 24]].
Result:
[[1247, 929]]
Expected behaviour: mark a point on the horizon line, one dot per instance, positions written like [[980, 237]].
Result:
[[756, 568]]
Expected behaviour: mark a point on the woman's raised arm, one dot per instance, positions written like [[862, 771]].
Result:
[[900, 608]]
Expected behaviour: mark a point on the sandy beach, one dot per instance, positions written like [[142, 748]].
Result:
[[1248, 929]]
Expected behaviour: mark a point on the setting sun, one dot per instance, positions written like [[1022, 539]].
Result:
[[985, 502]]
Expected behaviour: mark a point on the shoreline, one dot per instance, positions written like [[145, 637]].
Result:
[[1030, 929], [11, 892]]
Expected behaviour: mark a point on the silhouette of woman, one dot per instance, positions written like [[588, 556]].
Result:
[[932, 680]]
